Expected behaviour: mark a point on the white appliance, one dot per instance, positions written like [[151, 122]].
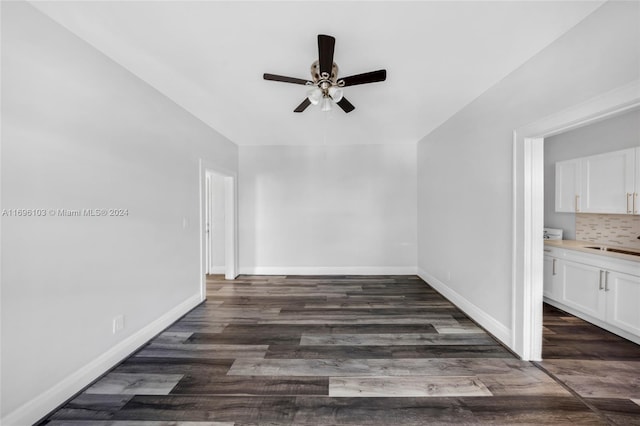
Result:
[[552, 234]]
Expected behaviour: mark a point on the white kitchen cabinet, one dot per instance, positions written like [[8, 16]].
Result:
[[605, 183], [623, 301], [568, 185], [608, 182], [636, 199], [602, 290], [582, 287], [551, 282]]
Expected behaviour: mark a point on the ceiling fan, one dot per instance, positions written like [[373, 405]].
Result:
[[324, 87]]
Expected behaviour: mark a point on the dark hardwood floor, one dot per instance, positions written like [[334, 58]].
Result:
[[386, 350], [599, 366]]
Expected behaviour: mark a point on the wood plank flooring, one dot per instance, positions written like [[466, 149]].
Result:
[[338, 350], [601, 367]]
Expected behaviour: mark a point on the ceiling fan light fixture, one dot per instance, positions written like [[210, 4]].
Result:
[[326, 104], [324, 87], [336, 93], [314, 95]]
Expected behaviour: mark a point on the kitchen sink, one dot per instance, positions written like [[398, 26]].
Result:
[[614, 250]]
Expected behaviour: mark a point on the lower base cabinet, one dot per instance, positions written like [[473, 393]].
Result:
[[551, 288], [595, 291], [582, 288], [623, 301]]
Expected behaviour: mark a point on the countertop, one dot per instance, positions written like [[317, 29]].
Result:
[[582, 246]]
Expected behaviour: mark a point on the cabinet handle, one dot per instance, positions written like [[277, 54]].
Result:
[[606, 281], [554, 267], [547, 250], [629, 211], [577, 202], [600, 280]]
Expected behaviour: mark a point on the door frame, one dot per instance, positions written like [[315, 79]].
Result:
[[230, 222], [528, 208]]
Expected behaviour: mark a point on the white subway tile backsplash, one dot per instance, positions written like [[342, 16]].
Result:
[[620, 230]]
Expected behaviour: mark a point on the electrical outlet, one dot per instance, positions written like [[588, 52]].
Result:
[[118, 323]]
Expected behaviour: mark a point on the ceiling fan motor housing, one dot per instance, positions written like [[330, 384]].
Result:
[[317, 77]]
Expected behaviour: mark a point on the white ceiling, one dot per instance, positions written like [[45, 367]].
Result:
[[209, 57]]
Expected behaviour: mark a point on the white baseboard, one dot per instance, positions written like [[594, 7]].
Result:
[[493, 326], [49, 400], [328, 270], [217, 269]]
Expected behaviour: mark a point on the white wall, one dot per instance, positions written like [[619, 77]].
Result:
[[79, 131], [328, 209], [465, 166], [604, 136]]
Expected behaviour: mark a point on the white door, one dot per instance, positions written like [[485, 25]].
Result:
[[608, 182], [623, 301], [583, 288], [207, 224], [216, 229], [568, 186]]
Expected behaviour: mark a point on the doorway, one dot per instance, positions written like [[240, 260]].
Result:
[[218, 223], [215, 223], [528, 208]]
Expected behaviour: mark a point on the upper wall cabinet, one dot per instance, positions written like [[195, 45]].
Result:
[[606, 183], [568, 185]]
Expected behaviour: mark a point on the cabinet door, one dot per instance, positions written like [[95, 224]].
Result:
[[568, 185], [551, 284], [608, 182], [582, 288], [623, 301], [636, 189]]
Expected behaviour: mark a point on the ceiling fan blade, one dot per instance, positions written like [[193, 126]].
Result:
[[367, 77], [345, 105], [284, 79], [326, 45], [303, 105]]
